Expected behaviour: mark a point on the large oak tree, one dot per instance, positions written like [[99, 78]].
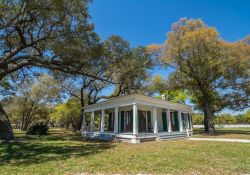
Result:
[[49, 34], [215, 73]]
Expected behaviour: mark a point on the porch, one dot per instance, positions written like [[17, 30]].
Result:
[[136, 118]]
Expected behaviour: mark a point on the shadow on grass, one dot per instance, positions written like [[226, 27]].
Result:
[[26, 150], [223, 131]]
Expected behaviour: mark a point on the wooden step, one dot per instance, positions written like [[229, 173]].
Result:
[[172, 136]]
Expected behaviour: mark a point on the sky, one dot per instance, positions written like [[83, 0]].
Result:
[[144, 22]]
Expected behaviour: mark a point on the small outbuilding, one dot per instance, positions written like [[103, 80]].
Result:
[[137, 118]]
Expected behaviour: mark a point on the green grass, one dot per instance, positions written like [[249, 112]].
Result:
[[63, 152], [233, 133]]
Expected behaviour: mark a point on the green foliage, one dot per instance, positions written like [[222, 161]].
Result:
[[34, 100], [160, 85], [214, 72], [52, 34], [247, 117], [240, 119], [67, 113], [128, 65], [198, 119], [38, 128], [225, 119]]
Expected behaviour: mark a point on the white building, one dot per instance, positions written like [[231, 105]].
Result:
[[136, 118]]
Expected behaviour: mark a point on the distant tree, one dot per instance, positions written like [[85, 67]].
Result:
[[214, 72], [68, 113], [32, 101], [239, 119], [225, 119], [247, 117], [197, 119], [160, 85]]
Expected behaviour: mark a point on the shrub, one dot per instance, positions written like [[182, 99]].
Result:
[[38, 128]]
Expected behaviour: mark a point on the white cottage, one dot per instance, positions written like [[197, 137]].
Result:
[[136, 118]]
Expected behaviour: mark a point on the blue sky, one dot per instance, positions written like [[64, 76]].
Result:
[[143, 22]]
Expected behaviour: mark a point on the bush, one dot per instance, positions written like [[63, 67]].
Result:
[[38, 128]]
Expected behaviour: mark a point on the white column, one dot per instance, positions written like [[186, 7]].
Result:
[[180, 121], [135, 120], [92, 122], [155, 120], [120, 121], [116, 121], [102, 120], [83, 121], [169, 121]]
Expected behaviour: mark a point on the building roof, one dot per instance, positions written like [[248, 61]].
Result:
[[137, 99]]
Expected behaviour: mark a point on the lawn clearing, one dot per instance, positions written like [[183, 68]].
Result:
[[233, 133], [63, 152]]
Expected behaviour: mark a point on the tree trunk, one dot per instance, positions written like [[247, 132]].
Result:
[[208, 120], [25, 126], [27, 118], [82, 110], [6, 132]]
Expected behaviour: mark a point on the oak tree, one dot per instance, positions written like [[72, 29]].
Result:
[[50, 34], [214, 72]]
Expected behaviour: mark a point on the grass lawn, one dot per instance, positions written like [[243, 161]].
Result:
[[63, 152], [233, 133]]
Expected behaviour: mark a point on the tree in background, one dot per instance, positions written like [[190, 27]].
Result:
[[247, 117], [34, 100], [214, 72], [225, 119], [160, 85], [67, 113], [197, 119]]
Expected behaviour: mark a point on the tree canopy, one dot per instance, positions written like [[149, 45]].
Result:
[[47, 33], [214, 72], [50, 34], [35, 98]]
